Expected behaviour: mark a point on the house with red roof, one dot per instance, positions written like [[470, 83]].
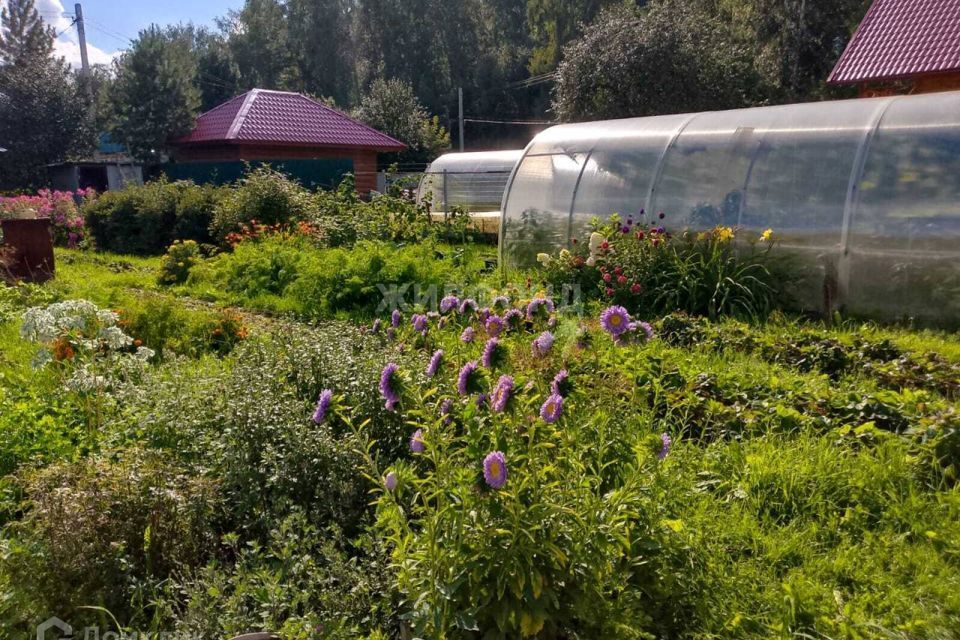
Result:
[[903, 46], [312, 142]]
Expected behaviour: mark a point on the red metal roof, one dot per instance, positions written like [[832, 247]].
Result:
[[902, 38], [284, 118]]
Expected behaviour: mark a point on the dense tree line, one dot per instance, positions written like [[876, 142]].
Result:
[[516, 60]]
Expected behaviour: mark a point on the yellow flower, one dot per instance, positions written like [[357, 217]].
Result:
[[723, 233], [543, 258], [564, 254], [766, 235]]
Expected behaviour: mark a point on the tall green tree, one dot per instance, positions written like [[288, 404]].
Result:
[[260, 45], [320, 34], [44, 110], [23, 34], [797, 42], [554, 23], [667, 58], [391, 106], [155, 95]]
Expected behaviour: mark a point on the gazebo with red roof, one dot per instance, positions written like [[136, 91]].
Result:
[[903, 46], [284, 128]]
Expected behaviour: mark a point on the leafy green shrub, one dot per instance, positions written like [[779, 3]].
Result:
[[181, 256], [163, 325], [145, 220], [351, 279], [298, 582], [98, 530], [265, 196], [284, 273], [650, 270], [341, 219]]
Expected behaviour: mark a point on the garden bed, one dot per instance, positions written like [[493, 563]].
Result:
[[720, 479]]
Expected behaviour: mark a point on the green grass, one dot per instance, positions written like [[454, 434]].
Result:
[[811, 491]]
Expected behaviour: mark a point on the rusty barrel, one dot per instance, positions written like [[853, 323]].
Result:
[[29, 245]]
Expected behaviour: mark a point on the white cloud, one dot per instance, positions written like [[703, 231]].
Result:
[[67, 44]]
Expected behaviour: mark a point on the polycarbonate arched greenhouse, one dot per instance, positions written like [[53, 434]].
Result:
[[473, 180], [865, 192]]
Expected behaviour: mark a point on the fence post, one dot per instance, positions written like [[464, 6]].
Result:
[[445, 207]]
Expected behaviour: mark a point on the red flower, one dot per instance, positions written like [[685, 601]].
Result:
[[607, 277], [605, 246], [609, 292], [635, 288], [617, 270], [578, 261], [639, 235], [622, 280]]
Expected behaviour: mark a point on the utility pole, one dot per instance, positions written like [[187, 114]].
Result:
[[81, 32], [460, 100], [84, 60]]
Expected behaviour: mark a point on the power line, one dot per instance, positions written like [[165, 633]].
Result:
[[65, 29], [491, 121]]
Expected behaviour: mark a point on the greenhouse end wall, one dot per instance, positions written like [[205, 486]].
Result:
[[864, 193], [474, 181]]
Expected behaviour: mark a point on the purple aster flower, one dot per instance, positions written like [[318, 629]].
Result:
[[491, 353], [500, 302], [395, 318], [467, 304], [483, 314], [560, 385], [481, 400], [615, 320], [449, 303], [552, 408], [501, 394], [323, 405], [434, 363], [536, 304], [542, 344], [465, 378], [467, 335], [494, 326], [419, 322], [386, 386], [416, 441], [513, 318], [495, 469], [445, 408], [646, 329], [376, 326], [390, 481], [665, 443]]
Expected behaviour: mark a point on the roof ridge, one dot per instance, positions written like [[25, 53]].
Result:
[[241, 116], [221, 105], [352, 119]]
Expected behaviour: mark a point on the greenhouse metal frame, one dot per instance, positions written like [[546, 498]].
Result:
[[865, 193]]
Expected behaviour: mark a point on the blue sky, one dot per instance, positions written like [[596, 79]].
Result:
[[111, 23]]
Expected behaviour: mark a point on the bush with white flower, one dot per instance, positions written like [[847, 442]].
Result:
[[85, 339]]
